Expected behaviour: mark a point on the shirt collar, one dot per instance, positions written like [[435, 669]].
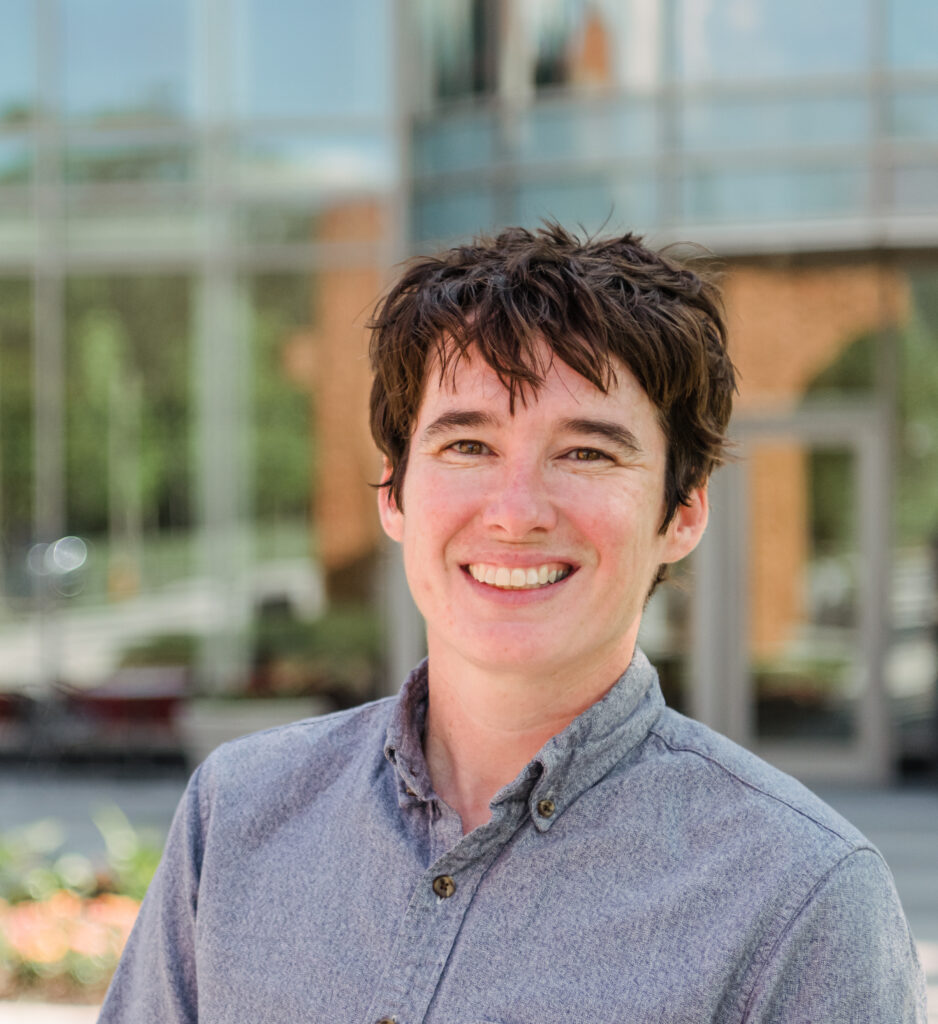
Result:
[[567, 765]]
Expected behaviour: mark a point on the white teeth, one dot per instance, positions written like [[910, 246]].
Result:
[[517, 579]]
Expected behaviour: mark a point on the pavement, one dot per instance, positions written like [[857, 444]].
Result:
[[902, 822]]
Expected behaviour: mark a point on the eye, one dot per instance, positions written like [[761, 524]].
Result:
[[469, 448], [588, 455]]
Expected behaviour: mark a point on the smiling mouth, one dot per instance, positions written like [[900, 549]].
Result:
[[531, 578]]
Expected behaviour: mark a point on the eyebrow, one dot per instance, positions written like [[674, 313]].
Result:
[[471, 419], [606, 429]]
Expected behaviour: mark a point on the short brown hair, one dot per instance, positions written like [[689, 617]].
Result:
[[593, 301]]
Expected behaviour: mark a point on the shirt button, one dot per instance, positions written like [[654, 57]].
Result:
[[409, 792], [444, 886], [385, 1020], [546, 808]]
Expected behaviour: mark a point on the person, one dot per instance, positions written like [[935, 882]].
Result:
[[526, 832]]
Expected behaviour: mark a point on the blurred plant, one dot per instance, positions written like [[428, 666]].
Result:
[[64, 920]]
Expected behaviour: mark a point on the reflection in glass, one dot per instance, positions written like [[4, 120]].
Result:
[[127, 437], [914, 115], [804, 650], [915, 186], [16, 448], [459, 213], [767, 39], [592, 200], [460, 39], [733, 194], [17, 61], [130, 223], [16, 161], [912, 31], [587, 131], [116, 159], [461, 141], [298, 58], [593, 44], [347, 160], [126, 60], [745, 121]]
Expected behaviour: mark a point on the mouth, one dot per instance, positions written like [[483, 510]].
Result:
[[513, 578]]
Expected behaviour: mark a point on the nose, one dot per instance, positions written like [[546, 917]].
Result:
[[518, 502]]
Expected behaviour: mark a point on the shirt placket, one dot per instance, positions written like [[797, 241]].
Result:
[[433, 920]]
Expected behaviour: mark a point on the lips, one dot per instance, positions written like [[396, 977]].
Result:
[[514, 578]]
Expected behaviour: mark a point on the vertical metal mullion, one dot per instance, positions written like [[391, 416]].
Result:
[[670, 156], [48, 288], [48, 333], [220, 372], [404, 629]]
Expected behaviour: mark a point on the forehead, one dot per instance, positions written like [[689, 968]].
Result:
[[467, 378]]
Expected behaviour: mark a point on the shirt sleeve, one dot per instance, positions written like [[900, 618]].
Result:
[[156, 977], [846, 956]]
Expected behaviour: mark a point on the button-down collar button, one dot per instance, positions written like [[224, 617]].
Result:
[[546, 808], [409, 792], [385, 1020], [444, 886]]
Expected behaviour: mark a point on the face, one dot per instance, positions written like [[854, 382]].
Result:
[[531, 540]]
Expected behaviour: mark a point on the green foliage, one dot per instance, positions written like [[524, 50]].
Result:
[[34, 866], [16, 408], [282, 465]]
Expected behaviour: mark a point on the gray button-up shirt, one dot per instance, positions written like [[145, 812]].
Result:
[[641, 868]]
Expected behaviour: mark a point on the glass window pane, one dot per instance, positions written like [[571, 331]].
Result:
[[458, 40], [458, 142], [16, 160], [592, 44], [119, 159], [914, 115], [303, 58], [913, 30], [804, 644], [912, 664], [915, 187], [740, 122], [127, 370], [580, 132], [120, 223], [455, 213], [738, 195], [767, 39], [17, 61], [16, 451], [126, 60], [594, 201], [337, 160]]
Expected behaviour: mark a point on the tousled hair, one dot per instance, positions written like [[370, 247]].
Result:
[[595, 302]]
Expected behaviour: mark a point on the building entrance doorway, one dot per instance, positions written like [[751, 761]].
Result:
[[793, 593]]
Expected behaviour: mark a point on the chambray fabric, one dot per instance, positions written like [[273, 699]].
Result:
[[679, 879]]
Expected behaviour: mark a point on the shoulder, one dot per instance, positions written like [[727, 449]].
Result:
[[298, 761], [722, 774]]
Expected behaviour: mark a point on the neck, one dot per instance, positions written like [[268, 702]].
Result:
[[484, 727]]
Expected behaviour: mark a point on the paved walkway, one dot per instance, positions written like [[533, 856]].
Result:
[[902, 822]]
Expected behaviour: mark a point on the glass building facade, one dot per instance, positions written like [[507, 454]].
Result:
[[200, 201], [182, 185], [797, 142]]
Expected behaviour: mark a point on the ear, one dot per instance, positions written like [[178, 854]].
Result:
[[392, 519], [688, 525]]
